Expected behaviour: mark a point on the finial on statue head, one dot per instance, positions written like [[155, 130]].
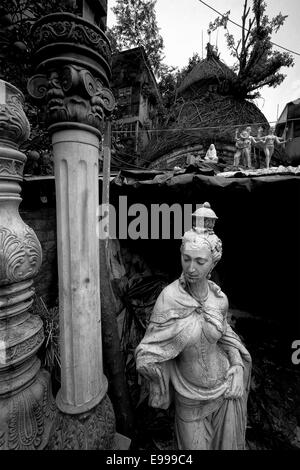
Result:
[[204, 219]]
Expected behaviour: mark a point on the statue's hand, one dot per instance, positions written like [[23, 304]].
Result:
[[237, 383], [152, 373]]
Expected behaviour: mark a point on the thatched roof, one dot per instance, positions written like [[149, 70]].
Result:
[[211, 69], [205, 114], [209, 118]]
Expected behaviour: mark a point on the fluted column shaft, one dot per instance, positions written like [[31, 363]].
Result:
[[76, 172], [72, 59]]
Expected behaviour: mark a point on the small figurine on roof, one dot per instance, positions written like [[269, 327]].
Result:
[[268, 145], [211, 154], [243, 147]]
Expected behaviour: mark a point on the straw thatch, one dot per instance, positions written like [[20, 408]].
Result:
[[190, 121], [206, 111], [208, 72]]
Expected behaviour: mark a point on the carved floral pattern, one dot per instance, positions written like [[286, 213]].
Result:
[[94, 430], [20, 256], [72, 94], [76, 31], [26, 422], [11, 167], [26, 347], [14, 125], [30, 416]]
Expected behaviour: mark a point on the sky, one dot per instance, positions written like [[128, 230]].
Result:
[[183, 22]]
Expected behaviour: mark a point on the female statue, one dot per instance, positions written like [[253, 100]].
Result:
[[190, 352], [268, 145], [211, 154]]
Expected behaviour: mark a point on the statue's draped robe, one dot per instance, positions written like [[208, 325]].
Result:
[[205, 419]]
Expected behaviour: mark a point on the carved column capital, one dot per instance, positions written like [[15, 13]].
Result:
[[72, 58], [72, 94]]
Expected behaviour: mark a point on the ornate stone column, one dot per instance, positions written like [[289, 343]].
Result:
[[72, 74], [27, 408]]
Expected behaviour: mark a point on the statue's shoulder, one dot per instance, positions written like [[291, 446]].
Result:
[[173, 302], [220, 296], [170, 291]]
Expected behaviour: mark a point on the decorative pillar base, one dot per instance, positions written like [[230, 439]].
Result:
[[93, 430], [27, 416]]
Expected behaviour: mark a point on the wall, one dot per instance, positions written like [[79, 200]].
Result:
[[38, 211]]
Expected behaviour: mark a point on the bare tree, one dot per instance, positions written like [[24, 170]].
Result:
[[257, 65]]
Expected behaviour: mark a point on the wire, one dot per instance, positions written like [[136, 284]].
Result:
[[130, 164], [240, 26], [130, 155], [231, 126]]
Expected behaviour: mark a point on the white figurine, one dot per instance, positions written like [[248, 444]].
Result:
[[268, 145], [211, 154], [243, 146], [190, 349]]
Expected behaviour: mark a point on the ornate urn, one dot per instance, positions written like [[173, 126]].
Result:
[[26, 406], [20, 250]]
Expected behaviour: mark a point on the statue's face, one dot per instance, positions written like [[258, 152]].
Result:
[[196, 263]]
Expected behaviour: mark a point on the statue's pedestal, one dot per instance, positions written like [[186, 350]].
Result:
[[93, 430], [27, 416]]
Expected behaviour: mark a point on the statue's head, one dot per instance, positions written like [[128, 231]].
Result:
[[244, 134], [201, 249]]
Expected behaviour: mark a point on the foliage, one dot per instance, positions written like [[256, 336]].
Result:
[[16, 19], [257, 64], [171, 77], [137, 26], [50, 352]]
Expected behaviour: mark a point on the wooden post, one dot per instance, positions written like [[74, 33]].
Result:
[[113, 357]]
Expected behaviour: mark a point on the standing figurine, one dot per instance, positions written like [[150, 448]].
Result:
[[243, 146], [268, 145], [211, 154], [190, 349]]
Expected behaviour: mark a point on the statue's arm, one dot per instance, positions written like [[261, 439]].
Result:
[[278, 141], [236, 370], [255, 141], [233, 354]]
